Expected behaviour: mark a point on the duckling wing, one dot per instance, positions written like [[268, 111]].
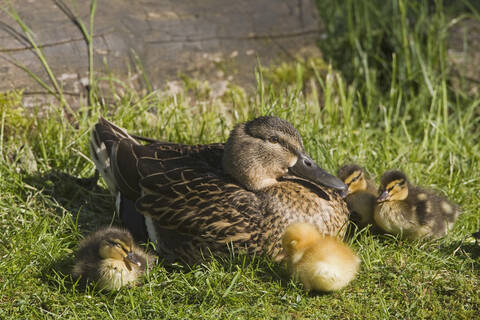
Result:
[[434, 211]]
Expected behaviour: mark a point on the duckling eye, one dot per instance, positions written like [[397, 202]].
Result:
[[111, 243], [401, 184], [356, 178], [273, 139]]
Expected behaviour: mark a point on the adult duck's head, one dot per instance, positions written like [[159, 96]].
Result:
[[261, 151]]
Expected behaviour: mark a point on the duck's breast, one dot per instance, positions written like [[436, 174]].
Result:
[[293, 201]]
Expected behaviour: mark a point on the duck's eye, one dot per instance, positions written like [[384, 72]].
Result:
[[273, 139]]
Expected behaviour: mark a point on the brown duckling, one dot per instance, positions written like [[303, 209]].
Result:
[[412, 212], [361, 196], [320, 262], [110, 257]]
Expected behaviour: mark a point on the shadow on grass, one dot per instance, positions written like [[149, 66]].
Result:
[[90, 206], [58, 274], [463, 250], [265, 270]]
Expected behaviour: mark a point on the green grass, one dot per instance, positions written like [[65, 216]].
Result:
[[383, 108]]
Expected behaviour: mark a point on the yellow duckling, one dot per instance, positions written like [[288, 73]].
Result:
[[412, 212], [321, 263], [110, 258], [361, 197]]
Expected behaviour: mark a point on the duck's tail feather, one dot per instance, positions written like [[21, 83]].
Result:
[[108, 144]]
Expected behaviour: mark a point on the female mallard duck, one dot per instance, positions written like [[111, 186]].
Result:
[[321, 263], [410, 211], [110, 258], [361, 197], [197, 199]]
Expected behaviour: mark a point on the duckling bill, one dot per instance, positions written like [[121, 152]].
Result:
[[410, 211], [110, 258]]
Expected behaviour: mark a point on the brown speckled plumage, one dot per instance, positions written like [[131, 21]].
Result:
[[195, 207]]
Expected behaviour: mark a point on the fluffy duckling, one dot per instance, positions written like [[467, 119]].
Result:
[[110, 257], [322, 263], [412, 212], [361, 196]]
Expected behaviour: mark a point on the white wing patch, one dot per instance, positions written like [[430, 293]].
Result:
[[152, 233]]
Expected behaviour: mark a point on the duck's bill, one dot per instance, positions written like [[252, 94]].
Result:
[[383, 197], [306, 168], [130, 258]]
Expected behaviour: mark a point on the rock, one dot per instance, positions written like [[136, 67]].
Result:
[[216, 40]]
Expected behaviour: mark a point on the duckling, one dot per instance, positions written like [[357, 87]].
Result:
[[321, 263], [361, 196], [110, 258], [412, 212]]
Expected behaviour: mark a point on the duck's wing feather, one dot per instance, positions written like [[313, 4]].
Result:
[[116, 155], [186, 193], [182, 187]]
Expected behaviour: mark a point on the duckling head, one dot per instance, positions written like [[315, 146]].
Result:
[[354, 177], [261, 151], [393, 186], [119, 247], [298, 237]]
